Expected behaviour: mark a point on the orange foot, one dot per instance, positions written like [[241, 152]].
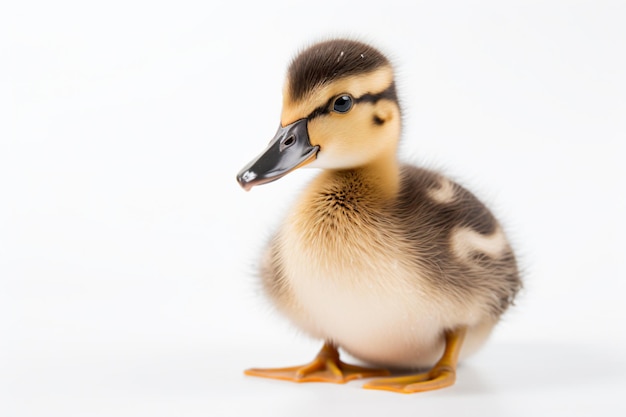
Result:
[[326, 367], [442, 375], [436, 378]]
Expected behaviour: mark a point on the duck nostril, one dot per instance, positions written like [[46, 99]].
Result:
[[289, 141]]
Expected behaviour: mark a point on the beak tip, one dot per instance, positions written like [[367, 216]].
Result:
[[246, 179], [244, 184]]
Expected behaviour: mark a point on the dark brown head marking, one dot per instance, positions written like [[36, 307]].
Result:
[[329, 61]]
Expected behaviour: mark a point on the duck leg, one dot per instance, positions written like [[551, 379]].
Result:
[[442, 375], [326, 367]]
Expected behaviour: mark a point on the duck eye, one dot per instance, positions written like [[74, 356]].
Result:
[[342, 104]]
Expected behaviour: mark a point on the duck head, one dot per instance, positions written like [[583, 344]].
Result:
[[340, 111]]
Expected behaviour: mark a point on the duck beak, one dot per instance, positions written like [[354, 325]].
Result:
[[288, 150]]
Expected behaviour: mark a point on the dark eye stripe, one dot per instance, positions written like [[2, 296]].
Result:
[[321, 110], [387, 94]]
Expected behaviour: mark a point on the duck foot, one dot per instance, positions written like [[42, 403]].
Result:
[[442, 375], [326, 367], [438, 377]]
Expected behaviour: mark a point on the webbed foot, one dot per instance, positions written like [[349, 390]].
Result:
[[326, 367], [436, 378], [442, 375]]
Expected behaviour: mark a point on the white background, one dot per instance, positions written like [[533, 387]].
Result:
[[127, 249]]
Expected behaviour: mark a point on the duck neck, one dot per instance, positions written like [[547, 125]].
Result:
[[379, 179]]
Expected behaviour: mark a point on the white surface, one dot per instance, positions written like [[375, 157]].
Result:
[[127, 249]]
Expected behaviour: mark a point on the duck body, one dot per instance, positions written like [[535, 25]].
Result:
[[383, 277], [397, 265]]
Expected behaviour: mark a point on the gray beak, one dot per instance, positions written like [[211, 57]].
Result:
[[288, 150]]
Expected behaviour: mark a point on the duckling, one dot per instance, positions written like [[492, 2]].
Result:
[[397, 265]]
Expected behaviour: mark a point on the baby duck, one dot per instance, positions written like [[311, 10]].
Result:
[[397, 265]]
